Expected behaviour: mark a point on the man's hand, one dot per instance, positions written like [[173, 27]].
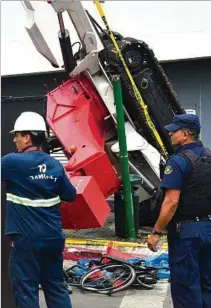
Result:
[[153, 240], [167, 212]]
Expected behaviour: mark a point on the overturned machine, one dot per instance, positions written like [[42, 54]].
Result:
[[81, 113]]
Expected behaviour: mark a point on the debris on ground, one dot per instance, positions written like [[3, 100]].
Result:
[[113, 270]]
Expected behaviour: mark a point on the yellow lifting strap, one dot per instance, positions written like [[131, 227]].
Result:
[[135, 89]]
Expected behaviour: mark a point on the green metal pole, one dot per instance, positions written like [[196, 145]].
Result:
[[128, 199]]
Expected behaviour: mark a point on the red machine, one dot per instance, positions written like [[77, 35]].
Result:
[[76, 115], [81, 113]]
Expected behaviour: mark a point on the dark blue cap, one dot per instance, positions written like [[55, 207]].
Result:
[[190, 121]]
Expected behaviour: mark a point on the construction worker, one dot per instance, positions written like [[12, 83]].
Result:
[[186, 210], [36, 182]]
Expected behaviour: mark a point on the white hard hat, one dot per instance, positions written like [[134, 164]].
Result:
[[29, 121]]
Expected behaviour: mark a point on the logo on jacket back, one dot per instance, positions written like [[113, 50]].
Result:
[[42, 175], [42, 168]]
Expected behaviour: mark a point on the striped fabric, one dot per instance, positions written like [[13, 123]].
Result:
[[33, 203]]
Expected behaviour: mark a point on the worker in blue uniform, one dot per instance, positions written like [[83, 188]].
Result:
[[35, 184], [186, 210]]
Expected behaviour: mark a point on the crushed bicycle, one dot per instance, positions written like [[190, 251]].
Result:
[[110, 275]]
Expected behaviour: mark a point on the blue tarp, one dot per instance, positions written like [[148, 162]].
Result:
[[157, 261]]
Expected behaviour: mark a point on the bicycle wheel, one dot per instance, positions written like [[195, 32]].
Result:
[[108, 278], [146, 280]]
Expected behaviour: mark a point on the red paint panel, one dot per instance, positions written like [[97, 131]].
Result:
[[90, 208]]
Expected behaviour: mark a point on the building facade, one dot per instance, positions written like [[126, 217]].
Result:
[[191, 80]]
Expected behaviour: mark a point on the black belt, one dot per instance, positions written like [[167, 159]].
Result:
[[193, 218]]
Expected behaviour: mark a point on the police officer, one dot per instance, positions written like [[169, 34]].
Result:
[[186, 210], [36, 183]]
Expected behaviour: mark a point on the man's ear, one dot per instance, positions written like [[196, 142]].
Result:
[[186, 134], [27, 138]]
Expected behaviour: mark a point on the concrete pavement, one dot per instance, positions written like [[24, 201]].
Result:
[[159, 297], [90, 300]]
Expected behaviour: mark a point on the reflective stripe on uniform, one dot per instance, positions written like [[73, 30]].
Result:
[[33, 203]]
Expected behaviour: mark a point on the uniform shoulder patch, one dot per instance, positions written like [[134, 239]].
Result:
[[168, 170]]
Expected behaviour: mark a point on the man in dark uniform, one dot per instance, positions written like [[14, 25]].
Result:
[[186, 210], [36, 182]]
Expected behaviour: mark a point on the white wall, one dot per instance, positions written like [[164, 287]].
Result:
[[173, 29]]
